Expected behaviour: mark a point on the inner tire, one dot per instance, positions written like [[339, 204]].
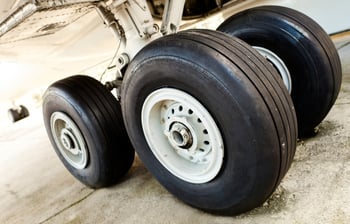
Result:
[[85, 126], [306, 50], [252, 116]]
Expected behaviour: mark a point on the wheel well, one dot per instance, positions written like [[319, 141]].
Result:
[[193, 8]]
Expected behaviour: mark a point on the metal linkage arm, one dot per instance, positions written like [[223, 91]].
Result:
[[172, 16]]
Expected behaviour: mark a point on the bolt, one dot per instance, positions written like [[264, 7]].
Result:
[[180, 135]]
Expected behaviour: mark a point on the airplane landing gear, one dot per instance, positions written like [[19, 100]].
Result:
[[209, 115]]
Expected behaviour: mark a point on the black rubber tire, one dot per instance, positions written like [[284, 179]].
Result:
[[257, 154], [97, 114], [304, 47], [13, 115]]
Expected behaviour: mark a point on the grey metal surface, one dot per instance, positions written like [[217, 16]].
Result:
[[42, 17]]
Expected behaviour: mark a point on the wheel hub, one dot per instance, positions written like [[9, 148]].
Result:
[[69, 140], [186, 132], [182, 135], [278, 64]]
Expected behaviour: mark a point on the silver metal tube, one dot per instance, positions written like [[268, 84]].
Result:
[[172, 16], [110, 21]]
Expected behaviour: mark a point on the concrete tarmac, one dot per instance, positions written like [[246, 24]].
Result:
[[36, 188]]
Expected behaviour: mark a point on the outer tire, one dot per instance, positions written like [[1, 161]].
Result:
[[306, 50], [254, 116], [84, 123]]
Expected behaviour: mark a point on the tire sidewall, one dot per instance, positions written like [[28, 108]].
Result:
[[223, 191], [299, 50], [57, 101]]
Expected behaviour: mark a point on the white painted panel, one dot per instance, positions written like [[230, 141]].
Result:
[[333, 16]]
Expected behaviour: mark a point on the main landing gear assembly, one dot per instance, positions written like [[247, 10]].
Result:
[[213, 115]]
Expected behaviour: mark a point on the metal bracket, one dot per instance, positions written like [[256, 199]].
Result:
[[141, 17], [110, 21], [172, 16], [121, 64], [139, 14]]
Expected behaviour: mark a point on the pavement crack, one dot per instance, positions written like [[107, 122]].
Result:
[[66, 208]]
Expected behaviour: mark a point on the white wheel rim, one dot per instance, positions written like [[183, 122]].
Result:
[[69, 140], [278, 64], [182, 135]]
